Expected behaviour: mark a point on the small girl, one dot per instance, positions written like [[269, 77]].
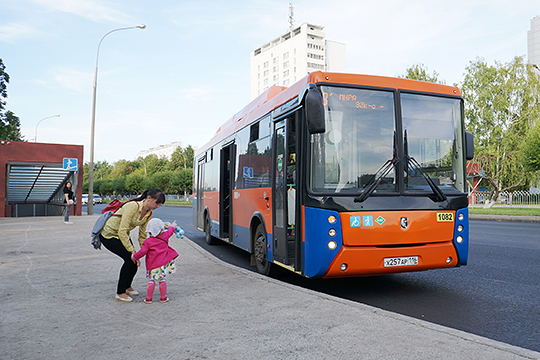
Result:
[[159, 257]]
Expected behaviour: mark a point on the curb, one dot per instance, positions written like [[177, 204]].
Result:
[[517, 218]]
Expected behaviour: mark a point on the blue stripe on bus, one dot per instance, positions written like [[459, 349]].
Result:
[[243, 240], [462, 248], [317, 255]]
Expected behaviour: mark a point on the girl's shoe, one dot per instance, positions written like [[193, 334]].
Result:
[[164, 300], [147, 301], [124, 299], [132, 293]]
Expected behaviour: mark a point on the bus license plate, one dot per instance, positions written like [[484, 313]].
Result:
[[401, 261]]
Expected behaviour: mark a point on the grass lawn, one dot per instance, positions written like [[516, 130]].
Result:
[[175, 202], [527, 211]]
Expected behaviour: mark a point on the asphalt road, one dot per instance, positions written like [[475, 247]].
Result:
[[497, 295]]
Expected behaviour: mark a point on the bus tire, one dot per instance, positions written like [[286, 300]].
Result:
[[210, 240], [260, 250]]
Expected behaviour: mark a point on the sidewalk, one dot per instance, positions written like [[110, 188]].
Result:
[[57, 302]]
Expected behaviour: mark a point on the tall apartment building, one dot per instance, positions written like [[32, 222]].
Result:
[[533, 41], [292, 56], [160, 151]]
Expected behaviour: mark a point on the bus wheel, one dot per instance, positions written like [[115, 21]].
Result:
[[210, 240], [260, 250]]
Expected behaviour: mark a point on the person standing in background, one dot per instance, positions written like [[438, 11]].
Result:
[[68, 198]]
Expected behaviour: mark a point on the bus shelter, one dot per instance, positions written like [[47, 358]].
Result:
[[33, 176]]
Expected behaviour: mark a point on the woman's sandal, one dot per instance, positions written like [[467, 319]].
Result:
[[124, 299], [132, 293]]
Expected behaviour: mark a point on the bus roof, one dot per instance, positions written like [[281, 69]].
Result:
[[276, 96]]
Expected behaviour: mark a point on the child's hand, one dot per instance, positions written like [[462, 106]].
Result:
[[137, 262], [174, 224]]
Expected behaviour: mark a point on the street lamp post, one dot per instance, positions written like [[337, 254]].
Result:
[[185, 159], [91, 163], [144, 162], [48, 117]]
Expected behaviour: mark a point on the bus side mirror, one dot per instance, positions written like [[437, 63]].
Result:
[[469, 146], [315, 111]]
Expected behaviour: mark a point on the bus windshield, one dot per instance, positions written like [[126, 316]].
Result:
[[431, 126], [360, 142]]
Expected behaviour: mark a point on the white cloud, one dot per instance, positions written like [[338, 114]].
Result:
[[72, 79], [92, 10], [198, 93], [12, 32]]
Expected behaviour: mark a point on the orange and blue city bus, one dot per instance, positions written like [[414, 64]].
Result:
[[340, 175]]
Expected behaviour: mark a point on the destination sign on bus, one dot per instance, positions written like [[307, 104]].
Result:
[[352, 98]]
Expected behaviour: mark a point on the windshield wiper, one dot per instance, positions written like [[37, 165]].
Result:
[[410, 161], [387, 166]]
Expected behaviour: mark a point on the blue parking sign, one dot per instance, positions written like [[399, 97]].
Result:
[[71, 164]]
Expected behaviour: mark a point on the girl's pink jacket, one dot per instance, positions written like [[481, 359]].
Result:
[[157, 250]]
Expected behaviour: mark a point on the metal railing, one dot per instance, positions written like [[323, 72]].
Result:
[[167, 197], [519, 198]]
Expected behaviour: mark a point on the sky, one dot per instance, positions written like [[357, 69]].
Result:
[[187, 72]]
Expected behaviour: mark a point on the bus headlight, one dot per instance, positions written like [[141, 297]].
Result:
[[459, 239], [449, 260], [332, 245], [343, 267], [332, 219], [332, 232], [460, 228], [461, 216]]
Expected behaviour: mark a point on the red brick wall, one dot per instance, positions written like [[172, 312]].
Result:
[[34, 154]]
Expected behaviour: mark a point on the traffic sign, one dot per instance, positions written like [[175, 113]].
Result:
[[71, 164]]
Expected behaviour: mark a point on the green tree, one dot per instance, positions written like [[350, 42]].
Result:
[[119, 186], [420, 72], [164, 181], [155, 164], [501, 106], [181, 158], [182, 181], [106, 187], [135, 183], [123, 168], [10, 125], [102, 170]]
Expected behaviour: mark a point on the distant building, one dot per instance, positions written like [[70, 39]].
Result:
[[533, 41], [160, 151], [292, 56]]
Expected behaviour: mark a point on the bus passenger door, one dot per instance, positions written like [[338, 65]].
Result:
[[279, 192], [226, 180], [200, 193], [284, 193]]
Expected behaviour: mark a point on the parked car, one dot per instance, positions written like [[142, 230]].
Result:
[[97, 199]]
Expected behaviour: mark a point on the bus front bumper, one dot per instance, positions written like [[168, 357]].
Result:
[[370, 260]]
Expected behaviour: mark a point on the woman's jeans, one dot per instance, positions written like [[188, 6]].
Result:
[[128, 270], [66, 214]]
